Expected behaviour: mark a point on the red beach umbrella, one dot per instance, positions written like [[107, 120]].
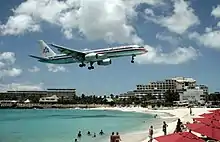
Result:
[[209, 121], [205, 129], [215, 111], [211, 115], [179, 137]]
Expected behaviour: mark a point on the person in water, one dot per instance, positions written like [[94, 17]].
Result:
[[94, 135], [79, 134], [76, 140], [88, 133], [101, 133]]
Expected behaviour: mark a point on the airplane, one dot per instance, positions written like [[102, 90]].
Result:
[[100, 56]]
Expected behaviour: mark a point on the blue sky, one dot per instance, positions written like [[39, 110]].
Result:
[[182, 38]]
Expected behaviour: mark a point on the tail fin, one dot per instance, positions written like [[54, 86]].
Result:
[[46, 51]]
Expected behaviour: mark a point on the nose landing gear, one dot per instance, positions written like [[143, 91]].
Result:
[[132, 58]]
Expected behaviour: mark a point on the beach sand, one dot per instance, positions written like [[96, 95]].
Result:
[[183, 114], [170, 115]]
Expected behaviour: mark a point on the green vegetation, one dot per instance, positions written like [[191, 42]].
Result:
[[145, 100]]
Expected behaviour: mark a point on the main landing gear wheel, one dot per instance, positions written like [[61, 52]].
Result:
[[132, 58], [82, 65], [91, 66]]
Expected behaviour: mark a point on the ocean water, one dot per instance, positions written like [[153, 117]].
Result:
[[62, 125]]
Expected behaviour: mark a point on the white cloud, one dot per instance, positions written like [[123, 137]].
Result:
[[216, 12], [149, 12], [19, 24], [209, 39], [8, 57], [10, 72], [2, 65], [34, 69], [181, 20], [172, 40], [94, 19], [178, 56], [7, 60], [56, 68], [218, 24], [21, 87]]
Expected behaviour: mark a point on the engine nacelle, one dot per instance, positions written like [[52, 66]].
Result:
[[105, 62], [93, 56]]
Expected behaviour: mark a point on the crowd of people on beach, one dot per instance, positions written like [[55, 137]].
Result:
[[179, 127]]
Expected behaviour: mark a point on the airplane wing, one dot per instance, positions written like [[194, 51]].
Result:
[[36, 57], [72, 52]]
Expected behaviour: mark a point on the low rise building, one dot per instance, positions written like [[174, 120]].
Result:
[[51, 99], [64, 94], [196, 95]]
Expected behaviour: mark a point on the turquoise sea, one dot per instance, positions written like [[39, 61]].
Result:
[[62, 125]]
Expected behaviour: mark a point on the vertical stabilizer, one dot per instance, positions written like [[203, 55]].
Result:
[[46, 51]]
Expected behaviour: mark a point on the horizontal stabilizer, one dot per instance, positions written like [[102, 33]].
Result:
[[36, 57]]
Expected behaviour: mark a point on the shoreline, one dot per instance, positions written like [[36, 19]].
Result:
[[170, 115], [48, 106]]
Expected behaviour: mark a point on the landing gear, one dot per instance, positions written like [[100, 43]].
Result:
[[132, 58], [91, 66], [82, 65]]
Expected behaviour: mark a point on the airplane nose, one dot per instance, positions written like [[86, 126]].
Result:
[[144, 49]]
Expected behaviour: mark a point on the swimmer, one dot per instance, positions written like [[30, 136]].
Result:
[[79, 134], [88, 133], [101, 132], [94, 135]]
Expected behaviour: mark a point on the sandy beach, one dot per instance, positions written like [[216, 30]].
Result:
[[170, 115]]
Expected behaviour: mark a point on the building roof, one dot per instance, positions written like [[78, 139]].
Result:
[[184, 79]]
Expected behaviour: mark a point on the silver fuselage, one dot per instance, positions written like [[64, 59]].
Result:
[[108, 52]]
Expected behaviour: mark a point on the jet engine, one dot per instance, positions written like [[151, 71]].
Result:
[[93, 56], [105, 62]]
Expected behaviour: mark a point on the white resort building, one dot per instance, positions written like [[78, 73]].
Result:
[[185, 86], [193, 95], [52, 99]]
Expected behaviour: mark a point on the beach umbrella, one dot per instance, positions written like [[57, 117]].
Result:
[[211, 115], [215, 111], [205, 129], [210, 121], [179, 137]]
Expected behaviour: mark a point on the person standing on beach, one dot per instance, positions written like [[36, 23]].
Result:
[[117, 137], [112, 137], [190, 110], [178, 126], [165, 128], [151, 133]]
